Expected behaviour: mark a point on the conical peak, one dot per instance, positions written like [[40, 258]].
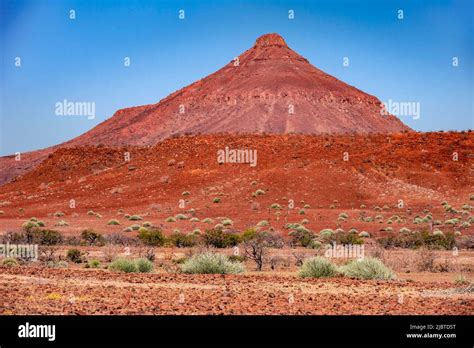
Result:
[[270, 40]]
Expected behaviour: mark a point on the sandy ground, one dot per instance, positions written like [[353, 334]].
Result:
[[37, 290]]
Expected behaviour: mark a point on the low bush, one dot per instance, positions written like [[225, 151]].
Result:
[[46, 237], [210, 263], [419, 239], [345, 238], [181, 217], [10, 262], [220, 239], [61, 223], [227, 222], [318, 267], [92, 237], [367, 268], [144, 265], [74, 255], [113, 222], [301, 237], [153, 237], [182, 240], [93, 264], [123, 265]]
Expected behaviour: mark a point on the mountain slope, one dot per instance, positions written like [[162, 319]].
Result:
[[269, 88]]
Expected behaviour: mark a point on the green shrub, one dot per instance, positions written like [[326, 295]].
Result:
[[419, 239], [186, 193], [147, 224], [210, 263], [346, 238], [216, 200], [92, 237], [153, 237], [318, 267], [47, 237], [451, 222], [170, 219], [144, 265], [123, 265], [460, 280], [61, 223], [343, 216], [208, 221], [113, 222], [135, 218], [10, 262], [220, 239], [28, 225], [364, 234], [237, 258], [367, 268], [326, 233], [227, 222], [181, 217], [259, 192], [93, 264], [182, 240], [74, 255], [142, 229], [275, 206], [302, 237], [135, 227], [194, 219], [263, 223]]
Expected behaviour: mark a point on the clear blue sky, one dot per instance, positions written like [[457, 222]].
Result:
[[82, 59]]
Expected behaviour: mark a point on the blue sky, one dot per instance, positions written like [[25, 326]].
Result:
[[82, 59]]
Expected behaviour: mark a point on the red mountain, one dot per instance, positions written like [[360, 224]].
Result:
[[252, 94], [269, 88]]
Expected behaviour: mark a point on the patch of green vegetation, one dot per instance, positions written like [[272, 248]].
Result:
[[152, 237], [367, 268], [318, 267], [210, 263]]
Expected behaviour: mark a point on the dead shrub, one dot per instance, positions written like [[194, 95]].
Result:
[[424, 261]]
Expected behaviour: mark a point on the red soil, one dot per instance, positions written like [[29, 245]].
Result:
[[30, 290]]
